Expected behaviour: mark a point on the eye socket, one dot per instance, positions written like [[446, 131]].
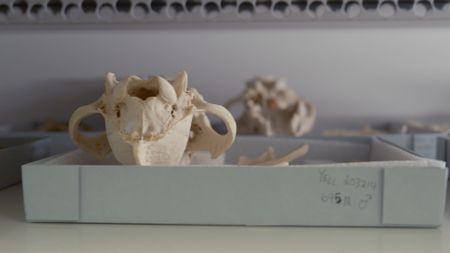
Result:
[[174, 109], [117, 109]]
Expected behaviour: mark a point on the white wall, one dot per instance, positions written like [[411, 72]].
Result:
[[351, 72]]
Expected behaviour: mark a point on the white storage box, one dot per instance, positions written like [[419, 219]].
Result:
[[365, 182], [425, 145]]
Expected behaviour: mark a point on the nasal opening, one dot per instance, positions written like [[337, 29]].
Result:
[[143, 90]]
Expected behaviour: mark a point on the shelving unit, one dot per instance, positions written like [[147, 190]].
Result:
[[145, 11], [62, 68]]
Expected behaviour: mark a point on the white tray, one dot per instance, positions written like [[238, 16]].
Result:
[[368, 183]]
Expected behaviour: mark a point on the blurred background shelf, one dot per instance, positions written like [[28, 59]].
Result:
[[157, 11]]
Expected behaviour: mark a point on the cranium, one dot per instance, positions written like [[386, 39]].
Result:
[[148, 121], [272, 108]]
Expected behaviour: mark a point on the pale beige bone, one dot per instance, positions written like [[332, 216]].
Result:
[[205, 138], [272, 108], [421, 127], [268, 158], [365, 130], [406, 128], [149, 121], [201, 157]]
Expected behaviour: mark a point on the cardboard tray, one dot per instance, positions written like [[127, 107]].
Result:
[[420, 142], [425, 145], [15, 151], [365, 182]]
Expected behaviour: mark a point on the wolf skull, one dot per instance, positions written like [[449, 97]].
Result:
[[148, 121]]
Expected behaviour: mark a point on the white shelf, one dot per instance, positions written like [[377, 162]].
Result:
[[16, 235], [175, 11]]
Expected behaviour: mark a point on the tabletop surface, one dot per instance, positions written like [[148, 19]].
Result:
[[16, 235]]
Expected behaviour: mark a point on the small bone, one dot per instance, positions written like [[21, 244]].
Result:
[[268, 158], [417, 126], [406, 128], [366, 130]]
